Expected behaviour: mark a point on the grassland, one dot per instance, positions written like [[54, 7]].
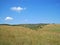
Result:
[[20, 35]]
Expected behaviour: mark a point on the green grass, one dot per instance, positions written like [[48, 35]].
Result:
[[18, 35]]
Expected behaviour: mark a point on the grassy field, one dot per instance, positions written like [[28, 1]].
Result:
[[20, 35]]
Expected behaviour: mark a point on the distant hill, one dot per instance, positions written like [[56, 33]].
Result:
[[4, 24], [31, 26]]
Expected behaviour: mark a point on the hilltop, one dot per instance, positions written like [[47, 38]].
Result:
[[31, 26]]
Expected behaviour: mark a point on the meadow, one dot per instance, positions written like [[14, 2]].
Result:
[[31, 34]]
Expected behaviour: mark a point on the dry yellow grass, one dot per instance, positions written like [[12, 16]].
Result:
[[17, 35]]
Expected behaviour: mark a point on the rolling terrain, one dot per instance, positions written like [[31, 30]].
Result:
[[45, 34]]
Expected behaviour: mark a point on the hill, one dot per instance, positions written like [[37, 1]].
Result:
[[32, 26], [20, 35]]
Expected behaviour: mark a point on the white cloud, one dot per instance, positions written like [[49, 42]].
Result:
[[17, 9], [8, 18]]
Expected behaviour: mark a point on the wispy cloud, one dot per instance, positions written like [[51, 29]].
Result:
[[8, 18], [26, 20], [0, 17], [17, 9]]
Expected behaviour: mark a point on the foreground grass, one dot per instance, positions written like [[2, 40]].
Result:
[[17, 35]]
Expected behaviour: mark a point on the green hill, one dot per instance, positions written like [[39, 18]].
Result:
[[31, 26], [20, 35]]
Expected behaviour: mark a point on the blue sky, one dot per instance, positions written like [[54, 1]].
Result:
[[29, 11]]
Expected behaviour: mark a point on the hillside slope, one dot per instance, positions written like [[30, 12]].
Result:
[[17, 35]]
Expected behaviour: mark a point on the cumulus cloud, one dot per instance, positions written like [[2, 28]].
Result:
[[8, 18], [17, 9]]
